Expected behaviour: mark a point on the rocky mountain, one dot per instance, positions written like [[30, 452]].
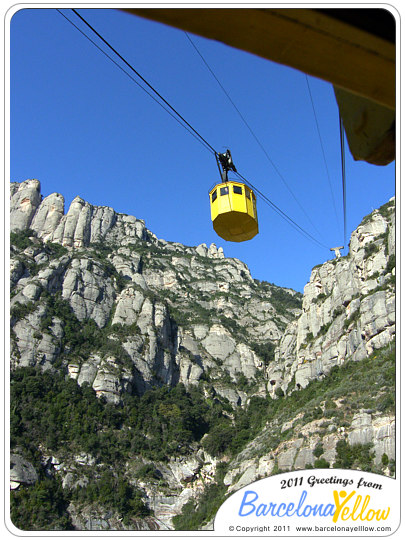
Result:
[[150, 379], [348, 322], [348, 308]]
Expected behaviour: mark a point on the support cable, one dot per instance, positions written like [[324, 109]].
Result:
[[144, 80], [342, 152], [279, 211], [133, 79], [322, 148], [252, 132], [185, 124]]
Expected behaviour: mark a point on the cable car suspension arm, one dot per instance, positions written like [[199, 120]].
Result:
[[225, 164]]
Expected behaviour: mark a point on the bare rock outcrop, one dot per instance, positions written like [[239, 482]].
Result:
[[25, 200], [348, 308], [21, 472], [168, 310]]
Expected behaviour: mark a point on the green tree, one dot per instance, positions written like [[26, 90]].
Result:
[[42, 507]]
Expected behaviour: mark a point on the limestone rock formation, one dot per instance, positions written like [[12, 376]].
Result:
[[21, 472], [111, 270], [25, 199], [98, 298], [348, 308]]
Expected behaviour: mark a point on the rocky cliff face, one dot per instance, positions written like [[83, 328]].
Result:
[[176, 311], [99, 298], [348, 308], [348, 315]]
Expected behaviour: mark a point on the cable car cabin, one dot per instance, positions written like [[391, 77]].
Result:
[[233, 211]]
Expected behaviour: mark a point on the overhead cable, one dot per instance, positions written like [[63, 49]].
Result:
[[280, 212], [342, 152], [183, 122], [322, 148], [144, 80], [133, 79], [252, 132]]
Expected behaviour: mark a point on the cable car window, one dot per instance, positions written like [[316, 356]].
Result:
[[247, 193], [224, 190], [237, 189], [214, 196]]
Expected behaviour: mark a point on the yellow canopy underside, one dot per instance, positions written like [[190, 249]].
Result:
[[235, 226]]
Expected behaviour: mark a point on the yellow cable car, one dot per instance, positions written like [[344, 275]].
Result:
[[233, 211], [233, 206]]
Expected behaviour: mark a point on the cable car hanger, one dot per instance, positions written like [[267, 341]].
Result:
[[225, 162]]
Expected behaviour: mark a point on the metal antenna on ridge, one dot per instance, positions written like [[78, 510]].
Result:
[[225, 164]]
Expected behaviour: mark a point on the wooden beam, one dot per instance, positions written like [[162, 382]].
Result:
[[304, 39]]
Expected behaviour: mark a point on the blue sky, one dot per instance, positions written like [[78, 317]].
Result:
[[82, 127]]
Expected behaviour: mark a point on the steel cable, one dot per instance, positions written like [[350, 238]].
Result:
[[252, 132], [342, 151], [183, 122], [144, 80]]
